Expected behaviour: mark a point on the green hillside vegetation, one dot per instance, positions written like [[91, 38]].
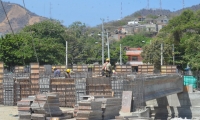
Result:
[[182, 31]]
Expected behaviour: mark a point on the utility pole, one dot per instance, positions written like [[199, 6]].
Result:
[[173, 54], [120, 54], [160, 5], [161, 57], [102, 35], [66, 55], [50, 11], [121, 10], [108, 46]]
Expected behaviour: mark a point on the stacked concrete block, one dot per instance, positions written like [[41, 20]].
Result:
[[110, 107], [168, 69], [97, 70], [45, 105], [24, 108], [80, 68], [66, 89], [89, 110], [145, 69], [98, 86], [34, 77], [123, 69]]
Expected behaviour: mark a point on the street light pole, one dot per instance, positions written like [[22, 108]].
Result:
[[161, 57], [173, 53], [120, 54], [66, 55], [108, 46], [102, 35]]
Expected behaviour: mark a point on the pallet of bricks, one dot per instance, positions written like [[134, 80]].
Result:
[[123, 69], [22, 84], [98, 86], [89, 110], [34, 78], [41, 107], [80, 68], [168, 69], [145, 69], [97, 71], [19, 69], [66, 89], [95, 108], [1, 82]]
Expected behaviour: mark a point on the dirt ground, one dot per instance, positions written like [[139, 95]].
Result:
[[8, 113], [11, 112]]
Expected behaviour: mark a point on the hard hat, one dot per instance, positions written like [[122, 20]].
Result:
[[107, 59], [53, 68], [68, 70]]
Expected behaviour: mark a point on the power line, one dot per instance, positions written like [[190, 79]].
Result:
[[32, 40]]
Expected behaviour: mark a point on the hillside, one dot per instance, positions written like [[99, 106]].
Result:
[[18, 17], [112, 25]]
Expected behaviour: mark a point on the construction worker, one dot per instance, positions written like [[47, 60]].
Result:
[[67, 73], [106, 68], [56, 72]]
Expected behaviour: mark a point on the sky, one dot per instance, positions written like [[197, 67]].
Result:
[[91, 12]]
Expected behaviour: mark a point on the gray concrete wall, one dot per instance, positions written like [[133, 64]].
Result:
[[160, 86], [177, 105]]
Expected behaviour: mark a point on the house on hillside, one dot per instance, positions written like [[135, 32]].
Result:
[[134, 57], [141, 18], [139, 28], [117, 36], [127, 29], [134, 22], [150, 20], [162, 20], [151, 27]]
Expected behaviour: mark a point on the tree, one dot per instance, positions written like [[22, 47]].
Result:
[[182, 31], [137, 40]]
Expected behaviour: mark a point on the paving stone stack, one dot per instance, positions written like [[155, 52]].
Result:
[[110, 107], [45, 105], [41, 107], [89, 110], [24, 108]]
